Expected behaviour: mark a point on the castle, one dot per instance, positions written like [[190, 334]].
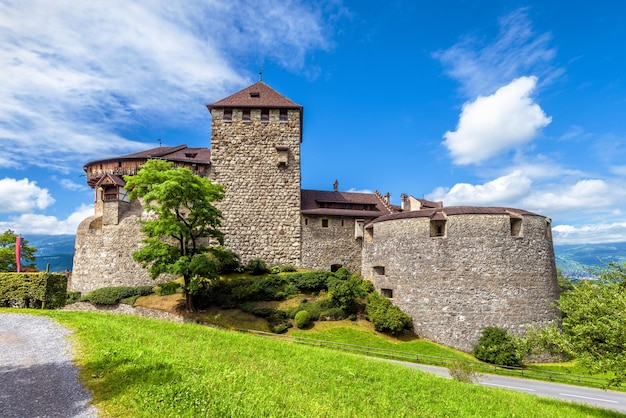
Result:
[[455, 270]]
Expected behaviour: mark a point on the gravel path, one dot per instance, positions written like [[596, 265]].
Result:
[[37, 377]]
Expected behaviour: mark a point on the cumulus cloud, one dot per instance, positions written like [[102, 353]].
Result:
[[493, 124], [70, 185], [22, 196], [590, 234], [584, 195], [482, 68], [76, 74], [30, 223], [502, 191]]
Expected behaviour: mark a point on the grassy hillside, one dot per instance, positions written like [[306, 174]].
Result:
[[137, 367]]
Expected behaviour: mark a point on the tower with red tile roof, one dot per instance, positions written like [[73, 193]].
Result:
[[255, 153]]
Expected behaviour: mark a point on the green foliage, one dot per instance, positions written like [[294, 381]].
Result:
[[73, 297], [302, 319], [257, 267], [344, 291], [113, 295], [228, 261], [167, 288], [497, 346], [463, 371], [7, 253], [333, 314], [314, 309], [288, 268], [385, 316], [565, 284], [185, 221], [33, 290]]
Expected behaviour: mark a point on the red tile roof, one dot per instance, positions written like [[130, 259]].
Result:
[[258, 95], [363, 205], [180, 153]]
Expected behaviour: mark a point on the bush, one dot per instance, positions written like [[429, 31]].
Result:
[[302, 319], [287, 268], [385, 316], [312, 281], [257, 267], [72, 297], [497, 346], [168, 288], [344, 293], [228, 261], [314, 310], [332, 314], [463, 371], [113, 295], [33, 290]]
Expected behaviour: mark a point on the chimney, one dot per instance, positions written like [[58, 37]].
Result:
[[404, 203], [336, 185], [388, 197]]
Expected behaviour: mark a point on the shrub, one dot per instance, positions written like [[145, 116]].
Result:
[[73, 297], [33, 290], [463, 371], [497, 346], [287, 268], [257, 267], [332, 314], [344, 293], [168, 288], [312, 281], [228, 261], [113, 295], [385, 316], [302, 319]]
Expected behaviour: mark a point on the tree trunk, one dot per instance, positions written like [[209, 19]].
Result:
[[188, 297]]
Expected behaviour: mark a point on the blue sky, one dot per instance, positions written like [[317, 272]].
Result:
[[496, 103]]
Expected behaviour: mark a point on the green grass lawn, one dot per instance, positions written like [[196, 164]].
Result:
[[137, 367]]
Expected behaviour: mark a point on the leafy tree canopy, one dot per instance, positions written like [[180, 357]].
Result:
[[183, 222], [594, 323], [7, 252]]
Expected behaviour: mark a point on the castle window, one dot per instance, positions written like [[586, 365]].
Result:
[[228, 115], [388, 293], [342, 222], [359, 227], [246, 115], [306, 221], [378, 270], [283, 115], [516, 227], [255, 94], [265, 115], [335, 267], [324, 223], [437, 228]]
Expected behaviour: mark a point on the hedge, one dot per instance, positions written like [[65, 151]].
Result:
[[33, 290]]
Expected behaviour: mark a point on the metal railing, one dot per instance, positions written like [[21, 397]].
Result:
[[479, 367]]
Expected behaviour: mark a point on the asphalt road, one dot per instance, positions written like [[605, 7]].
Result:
[[608, 399]]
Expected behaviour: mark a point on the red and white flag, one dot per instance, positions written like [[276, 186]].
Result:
[[18, 253]]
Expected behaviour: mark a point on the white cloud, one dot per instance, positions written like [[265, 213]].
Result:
[[584, 195], [30, 223], [22, 196], [590, 234], [353, 190], [516, 51], [70, 185], [503, 191], [75, 74], [497, 123]]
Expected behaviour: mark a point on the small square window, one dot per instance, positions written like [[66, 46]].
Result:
[[379, 270], [283, 116], [388, 293], [324, 223]]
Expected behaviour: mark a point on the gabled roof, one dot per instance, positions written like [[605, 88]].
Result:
[[111, 179], [258, 95], [180, 153], [358, 205]]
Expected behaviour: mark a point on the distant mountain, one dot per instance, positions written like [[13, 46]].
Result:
[[56, 250], [575, 260]]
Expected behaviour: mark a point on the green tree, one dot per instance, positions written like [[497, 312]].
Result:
[[7, 252], [184, 221], [345, 290], [593, 325]]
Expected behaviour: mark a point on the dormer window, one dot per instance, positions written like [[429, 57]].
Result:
[[191, 154], [255, 94]]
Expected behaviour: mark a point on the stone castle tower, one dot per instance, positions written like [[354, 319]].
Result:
[[255, 153]]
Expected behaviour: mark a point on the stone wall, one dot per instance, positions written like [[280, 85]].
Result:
[[103, 253], [476, 275], [323, 247], [262, 205]]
